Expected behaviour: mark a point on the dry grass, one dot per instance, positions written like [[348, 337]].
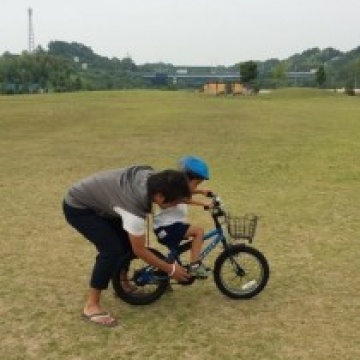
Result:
[[290, 156]]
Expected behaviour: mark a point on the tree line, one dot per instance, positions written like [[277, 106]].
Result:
[[43, 71], [73, 66]]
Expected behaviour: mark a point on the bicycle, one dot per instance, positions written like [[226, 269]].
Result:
[[240, 271]]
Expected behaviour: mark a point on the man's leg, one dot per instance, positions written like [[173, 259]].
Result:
[[111, 245]]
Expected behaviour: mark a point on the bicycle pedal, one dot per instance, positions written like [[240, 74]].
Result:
[[200, 277]]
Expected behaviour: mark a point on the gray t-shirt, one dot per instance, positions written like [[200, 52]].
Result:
[[122, 188]]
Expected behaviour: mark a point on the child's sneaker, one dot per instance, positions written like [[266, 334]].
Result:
[[199, 270]]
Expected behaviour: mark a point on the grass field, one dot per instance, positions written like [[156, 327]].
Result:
[[290, 156]]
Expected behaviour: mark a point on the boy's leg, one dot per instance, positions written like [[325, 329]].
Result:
[[197, 234], [197, 268]]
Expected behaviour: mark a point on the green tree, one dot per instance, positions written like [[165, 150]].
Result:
[[248, 72], [30, 72], [357, 73], [279, 73], [127, 64], [320, 76]]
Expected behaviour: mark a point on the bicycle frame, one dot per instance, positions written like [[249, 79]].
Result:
[[216, 234], [219, 236]]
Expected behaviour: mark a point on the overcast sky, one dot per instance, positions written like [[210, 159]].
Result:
[[185, 32]]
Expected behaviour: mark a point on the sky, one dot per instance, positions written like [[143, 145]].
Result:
[[184, 32]]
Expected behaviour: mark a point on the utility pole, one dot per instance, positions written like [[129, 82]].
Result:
[[31, 32]]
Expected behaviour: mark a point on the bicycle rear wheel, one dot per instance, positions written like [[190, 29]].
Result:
[[241, 272], [150, 283]]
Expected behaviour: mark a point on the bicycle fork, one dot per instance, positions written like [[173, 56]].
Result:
[[239, 271]]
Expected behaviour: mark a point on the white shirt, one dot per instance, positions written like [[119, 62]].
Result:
[[170, 216], [133, 224]]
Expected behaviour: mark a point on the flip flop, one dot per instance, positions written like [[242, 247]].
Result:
[[96, 319]]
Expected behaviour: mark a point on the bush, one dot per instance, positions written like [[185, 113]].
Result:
[[349, 89]]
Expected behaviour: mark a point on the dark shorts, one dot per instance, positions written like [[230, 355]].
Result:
[[172, 235]]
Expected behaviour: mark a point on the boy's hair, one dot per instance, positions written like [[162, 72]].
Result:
[[191, 176], [172, 184]]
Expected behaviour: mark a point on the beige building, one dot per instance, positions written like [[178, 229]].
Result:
[[221, 89], [215, 88]]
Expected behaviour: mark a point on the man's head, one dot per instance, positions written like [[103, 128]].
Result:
[[168, 188]]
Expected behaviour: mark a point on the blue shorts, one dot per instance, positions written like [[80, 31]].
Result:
[[172, 235]]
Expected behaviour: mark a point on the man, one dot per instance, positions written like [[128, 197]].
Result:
[[109, 209]]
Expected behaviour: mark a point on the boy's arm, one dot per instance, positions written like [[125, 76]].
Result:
[[201, 192], [197, 203]]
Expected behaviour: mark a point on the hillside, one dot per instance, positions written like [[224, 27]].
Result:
[[339, 65]]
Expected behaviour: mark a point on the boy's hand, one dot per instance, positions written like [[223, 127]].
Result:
[[209, 206]]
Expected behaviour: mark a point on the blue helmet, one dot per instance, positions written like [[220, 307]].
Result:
[[195, 167]]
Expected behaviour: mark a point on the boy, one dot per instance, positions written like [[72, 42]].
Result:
[[171, 225], [109, 209]]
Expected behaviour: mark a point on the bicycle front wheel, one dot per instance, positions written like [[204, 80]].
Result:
[[137, 283], [241, 272]]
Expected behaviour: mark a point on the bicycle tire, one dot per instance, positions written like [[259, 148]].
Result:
[[148, 293], [241, 272]]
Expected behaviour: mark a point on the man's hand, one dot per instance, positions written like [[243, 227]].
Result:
[[177, 272], [180, 273]]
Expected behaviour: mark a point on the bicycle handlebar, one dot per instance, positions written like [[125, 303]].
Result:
[[218, 207]]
